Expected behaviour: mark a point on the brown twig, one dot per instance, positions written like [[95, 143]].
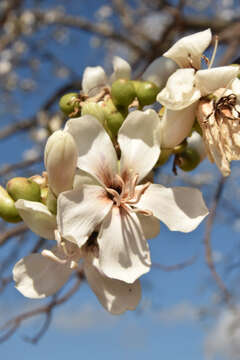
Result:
[[175, 267], [14, 231]]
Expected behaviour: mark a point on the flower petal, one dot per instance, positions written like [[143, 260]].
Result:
[[212, 79], [180, 90], [139, 147], [159, 71], [94, 78], [96, 154], [180, 208], [80, 211], [38, 218], [37, 276], [150, 226], [122, 69], [187, 52], [116, 296], [83, 178], [175, 126], [123, 250]]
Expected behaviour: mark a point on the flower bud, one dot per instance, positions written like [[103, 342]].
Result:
[[60, 160], [146, 92], [164, 156], [8, 211], [44, 192], [94, 109], [188, 160], [123, 92], [196, 142], [69, 104], [114, 118], [23, 188]]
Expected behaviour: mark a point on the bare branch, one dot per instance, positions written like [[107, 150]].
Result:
[[14, 231], [175, 267]]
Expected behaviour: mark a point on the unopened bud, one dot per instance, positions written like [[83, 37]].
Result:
[[114, 118], [60, 160], [8, 211], [188, 160], [40, 180], [196, 142], [180, 148], [23, 188], [69, 104], [94, 109], [123, 92], [146, 92]]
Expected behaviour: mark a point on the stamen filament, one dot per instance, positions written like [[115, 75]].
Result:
[[214, 53], [53, 257]]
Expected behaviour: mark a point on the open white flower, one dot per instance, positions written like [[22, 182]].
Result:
[[40, 275], [186, 86], [122, 208]]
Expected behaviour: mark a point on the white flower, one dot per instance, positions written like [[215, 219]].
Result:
[[186, 86], [40, 275], [121, 207]]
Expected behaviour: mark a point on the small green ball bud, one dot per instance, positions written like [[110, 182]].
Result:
[[180, 148], [23, 188], [123, 92], [114, 118], [94, 109], [8, 211], [146, 92], [188, 160], [69, 104]]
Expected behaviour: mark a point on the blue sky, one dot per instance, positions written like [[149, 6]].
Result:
[[165, 326]]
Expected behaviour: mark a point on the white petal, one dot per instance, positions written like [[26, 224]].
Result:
[[180, 90], [80, 211], [187, 51], [82, 177], [116, 296], [235, 86], [159, 71], [94, 78], [38, 218], [96, 154], [122, 69], [176, 126], [123, 250], [139, 146], [180, 208], [212, 79], [37, 276], [150, 226]]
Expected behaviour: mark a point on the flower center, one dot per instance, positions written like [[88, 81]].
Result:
[[126, 194]]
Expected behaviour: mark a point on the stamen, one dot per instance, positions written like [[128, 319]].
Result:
[[132, 184], [136, 210], [48, 254], [123, 186], [214, 52], [115, 195], [58, 237], [140, 192]]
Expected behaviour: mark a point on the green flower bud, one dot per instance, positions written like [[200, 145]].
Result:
[[123, 92], [94, 109], [188, 160], [60, 158], [114, 118], [23, 188], [51, 202], [69, 104], [8, 211], [146, 92]]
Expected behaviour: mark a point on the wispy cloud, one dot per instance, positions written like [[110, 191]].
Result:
[[224, 337], [178, 313]]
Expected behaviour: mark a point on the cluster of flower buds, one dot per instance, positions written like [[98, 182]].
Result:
[[97, 198]]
